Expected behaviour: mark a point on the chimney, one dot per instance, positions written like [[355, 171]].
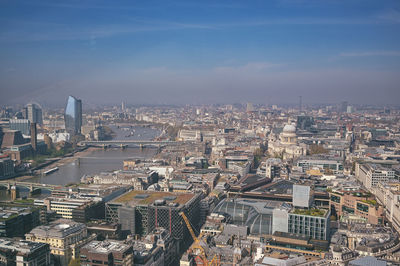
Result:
[[33, 136]]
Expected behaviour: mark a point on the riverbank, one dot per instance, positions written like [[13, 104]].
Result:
[[60, 162]]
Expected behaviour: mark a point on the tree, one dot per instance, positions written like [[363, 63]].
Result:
[[317, 149]]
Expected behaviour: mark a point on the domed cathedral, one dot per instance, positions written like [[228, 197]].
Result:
[[288, 135], [287, 146]]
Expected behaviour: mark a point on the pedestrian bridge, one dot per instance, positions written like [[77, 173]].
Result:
[[125, 143]]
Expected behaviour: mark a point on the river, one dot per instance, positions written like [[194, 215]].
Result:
[[101, 160]]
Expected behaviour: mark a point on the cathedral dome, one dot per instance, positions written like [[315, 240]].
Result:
[[288, 135], [289, 129]]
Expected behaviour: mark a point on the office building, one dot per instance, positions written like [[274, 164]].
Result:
[[108, 252], [60, 235], [6, 167], [24, 253], [343, 106], [79, 210], [33, 113], [370, 174], [326, 164], [262, 217], [265, 217], [314, 223], [302, 196], [15, 221], [22, 125], [358, 205], [73, 116], [141, 212]]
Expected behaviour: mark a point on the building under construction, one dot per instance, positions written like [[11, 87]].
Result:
[[140, 212]]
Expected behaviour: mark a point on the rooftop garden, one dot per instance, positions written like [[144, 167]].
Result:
[[150, 197], [310, 212], [24, 201], [370, 202]]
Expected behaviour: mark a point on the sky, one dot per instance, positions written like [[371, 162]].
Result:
[[200, 52]]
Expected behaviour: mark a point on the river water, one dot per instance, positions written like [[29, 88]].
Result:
[[101, 160]]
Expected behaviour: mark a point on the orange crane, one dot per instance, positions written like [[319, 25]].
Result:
[[196, 245]]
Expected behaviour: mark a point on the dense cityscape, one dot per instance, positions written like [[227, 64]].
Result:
[[199, 133], [201, 185]]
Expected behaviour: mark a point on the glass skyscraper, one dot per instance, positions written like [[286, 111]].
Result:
[[73, 116]]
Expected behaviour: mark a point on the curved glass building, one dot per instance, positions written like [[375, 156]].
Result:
[[73, 116], [257, 215]]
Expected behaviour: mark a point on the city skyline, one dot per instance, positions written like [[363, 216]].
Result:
[[197, 53]]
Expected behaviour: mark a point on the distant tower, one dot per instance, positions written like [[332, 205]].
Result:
[[73, 116], [33, 113], [123, 107], [300, 104], [34, 136], [343, 107], [249, 107]]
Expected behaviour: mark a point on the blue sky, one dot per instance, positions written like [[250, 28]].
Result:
[[269, 51]]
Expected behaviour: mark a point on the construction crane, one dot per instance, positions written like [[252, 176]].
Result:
[[196, 245]]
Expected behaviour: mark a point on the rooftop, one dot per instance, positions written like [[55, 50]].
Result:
[[58, 229], [310, 212], [22, 246], [106, 246], [141, 197]]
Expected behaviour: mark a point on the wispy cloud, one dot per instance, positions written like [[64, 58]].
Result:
[[65, 33], [371, 53], [58, 32], [391, 15], [251, 67]]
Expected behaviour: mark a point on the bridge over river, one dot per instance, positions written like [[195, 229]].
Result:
[[126, 143], [29, 185]]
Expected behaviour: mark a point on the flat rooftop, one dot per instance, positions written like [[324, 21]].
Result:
[[284, 187], [144, 197], [23, 246], [106, 246]]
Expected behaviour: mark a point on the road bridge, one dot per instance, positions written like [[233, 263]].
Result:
[[29, 185]]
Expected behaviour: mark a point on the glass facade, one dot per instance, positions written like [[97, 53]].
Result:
[[312, 226], [256, 215], [22, 125], [73, 116]]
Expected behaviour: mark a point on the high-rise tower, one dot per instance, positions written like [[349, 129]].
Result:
[[33, 113], [73, 116]]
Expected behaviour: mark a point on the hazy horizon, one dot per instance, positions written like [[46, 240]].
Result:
[[191, 52]]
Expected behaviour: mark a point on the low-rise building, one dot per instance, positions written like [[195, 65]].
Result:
[[327, 164], [16, 220], [80, 210], [22, 253], [370, 174], [107, 252]]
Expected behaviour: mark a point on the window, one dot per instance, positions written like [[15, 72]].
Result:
[[362, 207]]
